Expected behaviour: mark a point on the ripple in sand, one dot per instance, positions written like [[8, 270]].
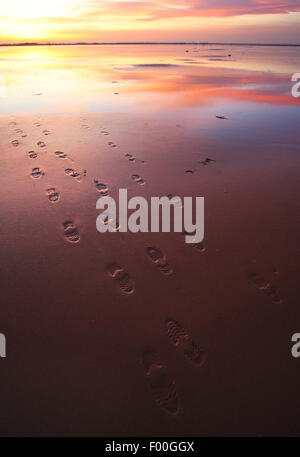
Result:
[[37, 173], [162, 386], [52, 194], [121, 276], [183, 340], [160, 260], [71, 232]]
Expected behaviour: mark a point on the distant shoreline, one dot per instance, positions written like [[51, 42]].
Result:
[[182, 43]]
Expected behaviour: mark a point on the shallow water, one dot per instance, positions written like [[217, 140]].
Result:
[[188, 85]]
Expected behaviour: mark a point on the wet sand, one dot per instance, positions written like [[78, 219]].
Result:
[[123, 334], [200, 349]]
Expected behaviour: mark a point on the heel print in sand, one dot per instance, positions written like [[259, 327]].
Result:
[[181, 338], [71, 232], [160, 260], [162, 386], [123, 278]]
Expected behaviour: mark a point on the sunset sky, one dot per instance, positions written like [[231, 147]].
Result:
[[271, 21]]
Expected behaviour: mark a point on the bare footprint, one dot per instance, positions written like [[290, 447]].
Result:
[[37, 173], [71, 232], [52, 194], [136, 178], [123, 278], [162, 386], [160, 260], [266, 288], [32, 154], [181, 338]]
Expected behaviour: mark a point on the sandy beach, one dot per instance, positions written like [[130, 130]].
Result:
[[141, 334]]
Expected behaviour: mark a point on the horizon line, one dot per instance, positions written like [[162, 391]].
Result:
[[199, 43]]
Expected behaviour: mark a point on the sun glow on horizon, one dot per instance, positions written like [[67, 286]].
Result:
[[36, 9], [156, 20]]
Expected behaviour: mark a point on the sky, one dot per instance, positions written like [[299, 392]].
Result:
[[252, 21]]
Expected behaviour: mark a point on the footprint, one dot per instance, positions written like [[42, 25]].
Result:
[[162, 386], [112, 144], [12, 123], [84, 126], [41, 144], [18, 131], [207, 161], [130, 157], [122, 277], [37, 124], [221, 117], [46, 132], [71, 232], [15, 143], [104, 132], [73, 173], [266, 288], [177, 201], [61, 154], [52, 194], [200, 247], [32, 154], [159, 259], [102, 188], [181, 338], [138, 179], [37, 173], [191, 172]]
